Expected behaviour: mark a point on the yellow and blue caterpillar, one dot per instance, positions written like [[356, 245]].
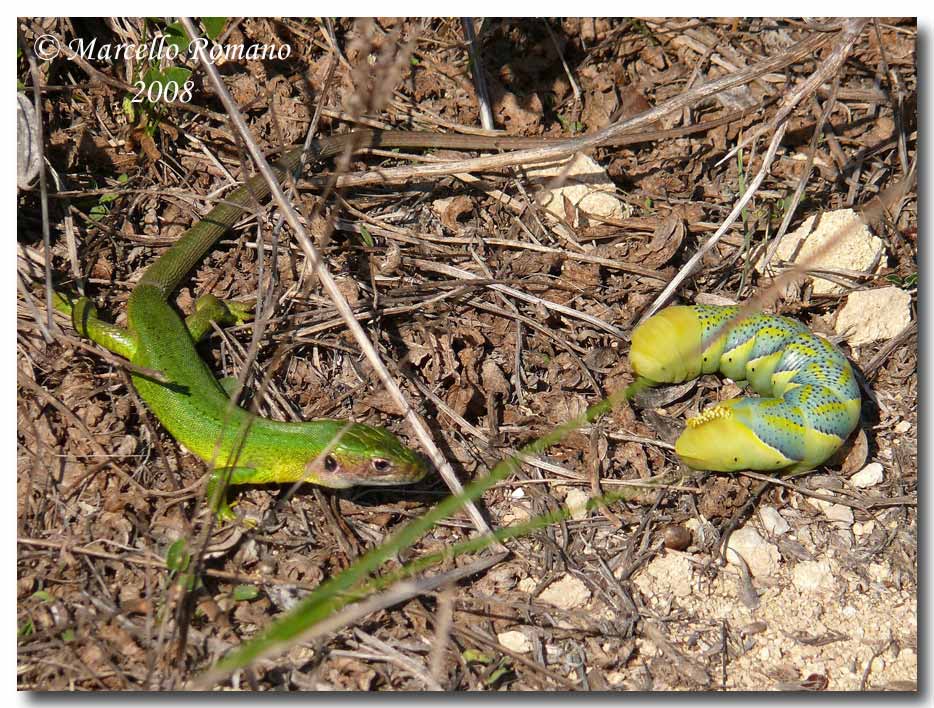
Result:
[[809, 399]]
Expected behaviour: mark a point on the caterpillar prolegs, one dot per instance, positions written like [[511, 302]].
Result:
[[809, 400]]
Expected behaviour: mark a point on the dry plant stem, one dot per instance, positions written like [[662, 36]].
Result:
[[519, 295], [330, 286], [400, 592], [47, 327], [158, 563], [846, 38], [802, 183], [606, 136], [479, 80], [692, 263]]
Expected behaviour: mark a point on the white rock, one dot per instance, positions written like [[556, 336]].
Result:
[[667, 572], [528, 585], [586, 185], [879, 572], [903, 427], [515, 641], [576, 500], [841, 241], [518, 493], [516, 515], [813, 576], [841, 515], [773, 522], [568, 592], [874, 315], [761, 556], [869, 476]]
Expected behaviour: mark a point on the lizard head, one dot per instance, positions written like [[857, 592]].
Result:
[[364, 455]]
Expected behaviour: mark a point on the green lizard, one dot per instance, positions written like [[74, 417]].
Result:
[[192, 404]]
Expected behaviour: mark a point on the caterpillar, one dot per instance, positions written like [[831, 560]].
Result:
[[808, 400]]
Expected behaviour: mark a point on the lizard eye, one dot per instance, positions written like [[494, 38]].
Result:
[[382, 466], [330, 464]]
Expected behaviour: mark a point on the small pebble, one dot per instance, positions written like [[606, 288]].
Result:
[[515, 641], [576, 500], [812, 576], [761, 556], [773, 522], [869, 476], [677, 538], [754, 628], [568, 593]]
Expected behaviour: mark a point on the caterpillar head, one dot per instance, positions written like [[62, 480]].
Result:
[[666, 348]]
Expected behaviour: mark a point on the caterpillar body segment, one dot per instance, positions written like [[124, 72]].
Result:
[[809, 400]]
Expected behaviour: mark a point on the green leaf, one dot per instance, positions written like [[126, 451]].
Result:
[[365, 234], [178, 74], [153, 75], [98, 212], [26, 629], [177, 557], [129, 110], [176, 36], [476, 656], [213, 26], [42, 596], [123, 178], [245, 592], [498, 673], [68, 635]]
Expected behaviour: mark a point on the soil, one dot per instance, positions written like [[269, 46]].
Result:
[[636, 595]]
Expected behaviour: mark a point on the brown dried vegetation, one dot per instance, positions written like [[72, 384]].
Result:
[[103, 491]]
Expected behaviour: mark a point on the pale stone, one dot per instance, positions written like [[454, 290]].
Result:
[[568, 592], [841, 241], [879, 572], [761, 556], [515, 641], [874, 315], [584, 183], [869, 476], [838, 513], [528, 585], [667, 572], [517, 514], [813, 576], [576, 500], [903, 427], [518, 493], [773, 522]]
